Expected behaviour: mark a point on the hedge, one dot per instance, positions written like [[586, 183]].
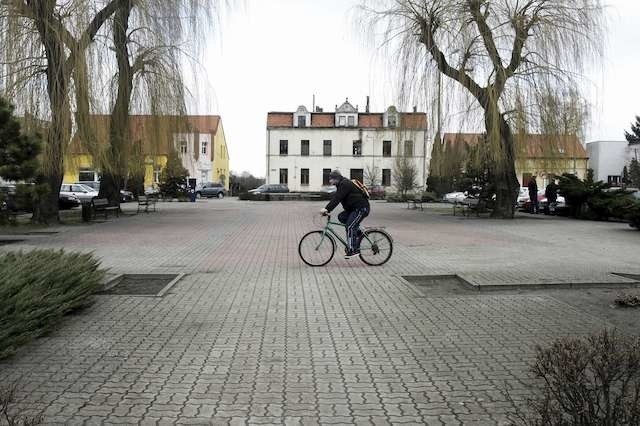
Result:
[[38, 288]]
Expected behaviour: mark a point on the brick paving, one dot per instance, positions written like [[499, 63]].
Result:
[[252, 335]]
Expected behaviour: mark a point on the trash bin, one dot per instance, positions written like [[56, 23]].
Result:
[[86, 212]]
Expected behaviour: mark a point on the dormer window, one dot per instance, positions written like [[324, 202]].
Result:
[[346, 115], [393, 120], [391, 117], [341, 121], [351, 120], [302, 117]]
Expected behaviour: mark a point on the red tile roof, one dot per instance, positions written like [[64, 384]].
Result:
[[279, 119], [531, 145], [155, 132], [370, 120], [322, 119], [411, 121]]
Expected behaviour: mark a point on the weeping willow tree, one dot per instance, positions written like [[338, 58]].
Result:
[[153, 41], [500, 56], [41, 42]]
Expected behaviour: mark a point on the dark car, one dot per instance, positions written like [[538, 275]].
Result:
[[67, 201], [272, 188], [210, 190]]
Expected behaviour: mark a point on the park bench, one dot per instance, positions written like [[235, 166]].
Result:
[[471, 204], [415, 203], [146, 202], [102, 205]]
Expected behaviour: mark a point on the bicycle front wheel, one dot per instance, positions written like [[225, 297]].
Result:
[[316, 248], [376, 247]]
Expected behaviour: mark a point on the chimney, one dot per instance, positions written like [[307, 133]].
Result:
[[367, 107], [415, 108], [313, 106]]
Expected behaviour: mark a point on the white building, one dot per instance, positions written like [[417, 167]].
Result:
[[608, 158], [303, 147]]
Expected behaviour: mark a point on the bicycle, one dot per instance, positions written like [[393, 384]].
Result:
[[317, 248]]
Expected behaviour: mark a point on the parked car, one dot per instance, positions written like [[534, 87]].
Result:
[[277, 188], [95, 184], [523, 196], [455, 197], [210, 190], [329, 189], [82, 192], [67, 201], [376, 192]]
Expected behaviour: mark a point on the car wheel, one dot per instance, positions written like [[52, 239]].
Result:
[[198, 195], [220, 195]]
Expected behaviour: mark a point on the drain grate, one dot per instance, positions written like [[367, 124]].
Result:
[[141, 284], [439, 285], [7, 242]]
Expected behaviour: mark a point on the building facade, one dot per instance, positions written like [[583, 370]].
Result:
[[608, 159], [199, 140], [540, 156], [303, 146]]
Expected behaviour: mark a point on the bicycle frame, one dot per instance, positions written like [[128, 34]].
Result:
[[329, 230]]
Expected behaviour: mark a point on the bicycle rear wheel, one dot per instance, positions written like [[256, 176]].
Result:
[[376, 247], [316, 248]]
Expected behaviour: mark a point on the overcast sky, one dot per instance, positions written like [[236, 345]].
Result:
[[273, 55]]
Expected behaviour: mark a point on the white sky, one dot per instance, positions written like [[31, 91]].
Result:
[[273, 55]]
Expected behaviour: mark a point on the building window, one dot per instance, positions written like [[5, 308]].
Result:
[[341, 120], [325, 176], [302, 121], [284, 176], [392, 120], [408, 148], [386, 148], [284, 147], [614, 180], [352, 121], [183, 147], [156, 175], [326, 148], [87, 175], [386, 177], [357, 148], [304, 147], [357, 174], [304, 176], [205, 146]]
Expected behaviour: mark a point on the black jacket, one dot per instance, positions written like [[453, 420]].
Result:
[[551, 192], [349, 195], [533, 188]]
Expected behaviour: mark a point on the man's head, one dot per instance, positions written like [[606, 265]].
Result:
[[334, 177]]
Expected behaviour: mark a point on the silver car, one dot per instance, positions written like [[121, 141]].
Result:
[[84, 193]]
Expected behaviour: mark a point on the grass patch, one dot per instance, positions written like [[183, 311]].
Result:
[[38, 288]]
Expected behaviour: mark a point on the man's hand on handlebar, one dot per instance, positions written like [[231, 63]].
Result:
[[324, 212]]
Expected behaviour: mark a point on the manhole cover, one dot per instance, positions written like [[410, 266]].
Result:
[[439, 285], [7, 242], [141, 284]]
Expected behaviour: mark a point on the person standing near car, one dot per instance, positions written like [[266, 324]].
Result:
[[551, 192], [355, 202], [533, 194]]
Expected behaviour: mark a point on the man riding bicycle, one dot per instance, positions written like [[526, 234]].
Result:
[[356, 207]]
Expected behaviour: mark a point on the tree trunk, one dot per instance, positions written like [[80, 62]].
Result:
[[119, 139], [59, 131], [504, 176]]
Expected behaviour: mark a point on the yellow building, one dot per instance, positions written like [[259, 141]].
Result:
[[542, 156], [198, 139]]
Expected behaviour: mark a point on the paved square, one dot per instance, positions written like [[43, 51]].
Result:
[[252, 335]]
